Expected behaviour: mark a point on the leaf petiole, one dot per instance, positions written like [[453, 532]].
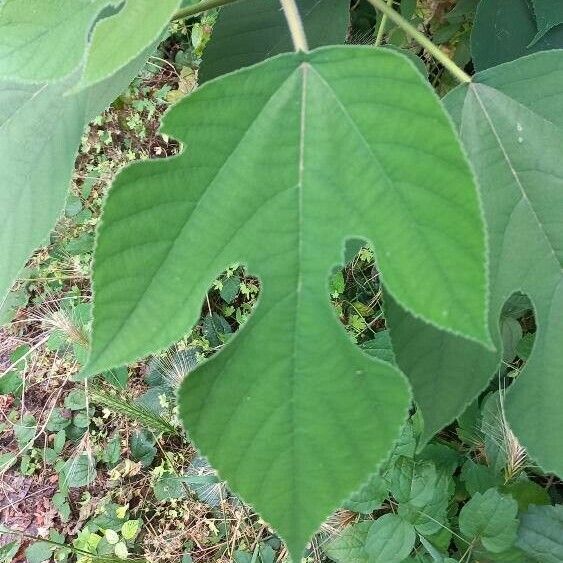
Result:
[[295, 25], [422, 40]]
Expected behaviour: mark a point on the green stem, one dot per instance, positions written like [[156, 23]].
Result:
[[422, 40], [382, 25], [202, 6], [295, 24]]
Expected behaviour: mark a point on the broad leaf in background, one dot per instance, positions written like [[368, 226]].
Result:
[[505, 30], [119, 39], [45, 40], [549, 13], [511, 123], [250, 31], [541, 533], [290, 412], [40, 130]]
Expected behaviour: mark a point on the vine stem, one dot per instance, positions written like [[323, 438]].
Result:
[[422, 40], [295, 24], [382, 25], [202, 6]]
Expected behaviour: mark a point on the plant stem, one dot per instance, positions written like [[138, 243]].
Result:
[[382, 25], [295, 24], [422, 40], [196, 9]]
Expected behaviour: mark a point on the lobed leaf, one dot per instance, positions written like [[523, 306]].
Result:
[[290, 412], [511, 123]]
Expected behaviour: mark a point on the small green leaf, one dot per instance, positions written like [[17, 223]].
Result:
[[479, 478], [230, 289], [541, 533], [60, 502], [430, 517], [490, 518], [142, 447], [169, 486], [216, 329], [112, 452], [58, 420], [369, 497], [413, 481], [111, 536], [79, 471], [390, 539], [76, 400], [8, 551], [120, 549], [380, 346], [130, 529], [25, 430], [350, 545], [59, 441], [11, 383], [38, 552], [526, 492]]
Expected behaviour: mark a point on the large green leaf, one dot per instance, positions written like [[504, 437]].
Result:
[[291, 413], [505, 30], [250, 31], [119, 39], [45, 40], [40, 130], [511, 122]]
